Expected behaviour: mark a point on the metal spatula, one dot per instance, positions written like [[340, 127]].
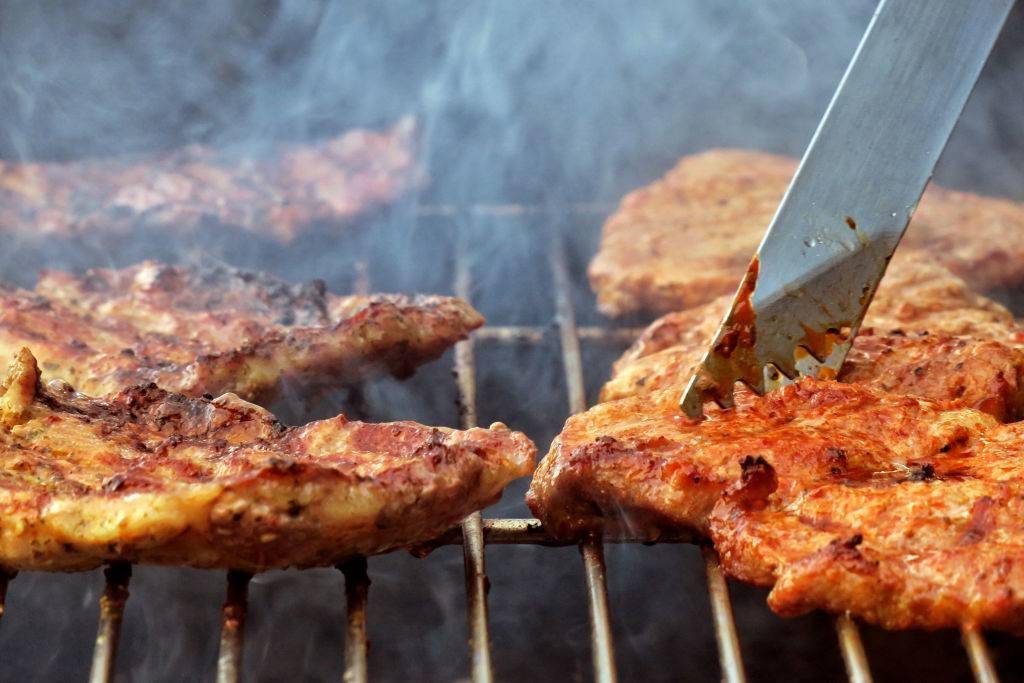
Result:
[[805, 293]]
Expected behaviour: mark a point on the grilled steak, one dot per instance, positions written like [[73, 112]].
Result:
[[908, 344], [277, 196], [157, 477], [687, 238], [901, 510], [209, 330]]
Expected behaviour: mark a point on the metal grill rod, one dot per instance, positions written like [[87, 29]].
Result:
[[232, 633], [591, 549], [853, 650], [729, 654], [977, 651], [472, 527], [530, 531], [357, 591], [5, 578], [594, 561], [357, 583], [534, 335], [112, 601]]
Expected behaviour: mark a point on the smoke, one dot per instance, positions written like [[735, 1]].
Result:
[[571, 101], [531, 104]]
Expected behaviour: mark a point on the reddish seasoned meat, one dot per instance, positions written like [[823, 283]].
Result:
[[908, 343], [277, 196], [156, 477], [209, 330], [986, 375], [900, 510]]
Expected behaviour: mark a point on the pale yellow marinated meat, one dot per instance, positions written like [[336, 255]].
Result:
[[213, 329], [156, 477], [903, 511], [278, 196], [687, 238]]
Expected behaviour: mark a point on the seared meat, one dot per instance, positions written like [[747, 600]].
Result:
[[923, 551], [901, 510], [916, 295], [640, 463], [984, 374], [199, 330], [277, 196], [687, 238], [156, 477], [906, 344]]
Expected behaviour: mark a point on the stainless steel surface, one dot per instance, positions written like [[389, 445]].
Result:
[[729, 653], [232, 633], [112, 601], [853, 650], [357, 591], [852, 196]]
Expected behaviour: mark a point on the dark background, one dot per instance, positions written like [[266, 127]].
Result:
[[543, 104]]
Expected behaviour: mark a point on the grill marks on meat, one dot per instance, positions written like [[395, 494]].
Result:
[[904, 511], [687, 238], [156, 477], [907, 344], [277, 196], [214, 329]]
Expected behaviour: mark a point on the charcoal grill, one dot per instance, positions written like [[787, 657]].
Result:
[[476, 533]]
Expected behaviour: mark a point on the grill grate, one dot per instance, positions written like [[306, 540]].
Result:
[[115, 595], [475, 533]]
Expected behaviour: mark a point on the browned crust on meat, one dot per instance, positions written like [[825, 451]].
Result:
[[983, 374], [685, 239], [642, 453], [156, 477], [278, 196], [933, 547], [902, 511], [922, 336], [214, 329]]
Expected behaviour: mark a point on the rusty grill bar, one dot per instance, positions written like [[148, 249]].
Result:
[[115, 595], [232, 634], [357, 592], [472, 527], [475, 533]]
